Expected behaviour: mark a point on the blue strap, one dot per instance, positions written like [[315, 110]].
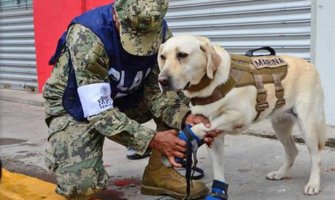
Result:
[[188, 136], [182, 135]]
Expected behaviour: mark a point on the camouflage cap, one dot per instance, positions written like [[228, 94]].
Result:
[[141, 25]]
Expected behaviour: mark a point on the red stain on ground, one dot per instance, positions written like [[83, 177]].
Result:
[[127, 182], [108, 194]]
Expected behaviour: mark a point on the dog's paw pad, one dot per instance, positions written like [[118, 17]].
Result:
[[274, 176], [312, 189]]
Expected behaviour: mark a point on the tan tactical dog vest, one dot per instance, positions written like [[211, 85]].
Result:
[[252, 70]]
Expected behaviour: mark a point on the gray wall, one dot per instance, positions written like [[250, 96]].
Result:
[[323, 50], [17, 48], [239, 25]]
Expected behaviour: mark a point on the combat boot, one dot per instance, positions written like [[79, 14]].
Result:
[[161, 180]]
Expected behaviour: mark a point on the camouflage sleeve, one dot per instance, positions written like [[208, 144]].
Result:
[[90, 63], [168, 34], [170, 107]]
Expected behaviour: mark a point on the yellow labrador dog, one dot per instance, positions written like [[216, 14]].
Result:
[[185, 60]]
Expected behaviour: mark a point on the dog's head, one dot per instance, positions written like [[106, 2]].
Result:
[[184, 61]]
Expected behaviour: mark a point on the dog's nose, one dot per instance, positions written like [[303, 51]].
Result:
[[163, 80]]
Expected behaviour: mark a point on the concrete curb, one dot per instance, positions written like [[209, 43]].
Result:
[[19, 186], [329, 143], [264, 129], [23, 97]]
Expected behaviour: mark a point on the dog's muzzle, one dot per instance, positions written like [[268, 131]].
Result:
[[164, 83]]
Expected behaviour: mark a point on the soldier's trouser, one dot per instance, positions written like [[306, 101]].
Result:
[[74, 153]]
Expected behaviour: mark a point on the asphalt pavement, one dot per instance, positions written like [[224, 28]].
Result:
[[248, 157]]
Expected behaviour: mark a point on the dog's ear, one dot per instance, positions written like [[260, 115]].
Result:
[[213, 58]]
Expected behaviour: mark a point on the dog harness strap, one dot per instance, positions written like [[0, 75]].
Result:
[[236, 74], [279, 91], [204, 82], [221, 90], [257, 71], [217, 94], [261, 104]]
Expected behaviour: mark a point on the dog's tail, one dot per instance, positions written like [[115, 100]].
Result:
[[320, 120], [322, 128], [317, 109], [311, 115]]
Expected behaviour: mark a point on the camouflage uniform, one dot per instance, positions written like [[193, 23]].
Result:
[[74, 151]]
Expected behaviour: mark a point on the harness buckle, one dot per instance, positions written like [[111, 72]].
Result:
[[279, 92], [260, 106], [280, 103], [279, 89]]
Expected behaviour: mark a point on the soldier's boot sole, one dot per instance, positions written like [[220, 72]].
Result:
[[155, 191]]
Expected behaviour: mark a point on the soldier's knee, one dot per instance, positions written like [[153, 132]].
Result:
[[81, 180]]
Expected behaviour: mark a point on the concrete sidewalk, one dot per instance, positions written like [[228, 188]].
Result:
[[24, 97], [247, 158]]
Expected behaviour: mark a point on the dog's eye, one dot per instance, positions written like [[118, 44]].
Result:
[[163, 57], [182, 55]]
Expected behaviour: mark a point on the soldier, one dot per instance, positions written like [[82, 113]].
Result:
[[104, 84]]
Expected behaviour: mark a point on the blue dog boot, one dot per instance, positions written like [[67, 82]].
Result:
[[219, 191], [188, 135]]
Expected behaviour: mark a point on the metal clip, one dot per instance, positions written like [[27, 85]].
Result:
[[262, 106], [279, 92], [280, 103]]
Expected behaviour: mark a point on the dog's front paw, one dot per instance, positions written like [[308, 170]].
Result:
[[312, 188], [199, 130], [275, 175]]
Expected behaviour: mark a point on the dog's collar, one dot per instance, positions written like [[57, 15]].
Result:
[[218, 93], [204, 82], [221, 90]]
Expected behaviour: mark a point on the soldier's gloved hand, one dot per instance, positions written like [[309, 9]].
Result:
[[196, 119], [170, 145]]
